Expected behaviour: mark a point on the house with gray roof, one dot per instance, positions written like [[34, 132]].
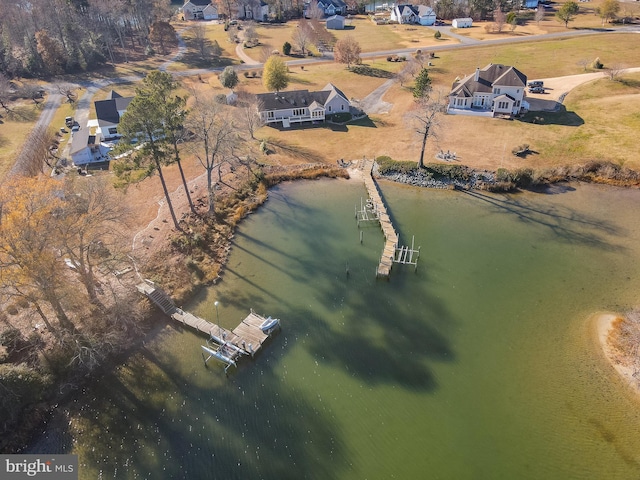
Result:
[[199, 10], [91, 143], [298, 106], [420, 14], [332, 7], [494, 90]]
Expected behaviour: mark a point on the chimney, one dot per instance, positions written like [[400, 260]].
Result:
[[477, 76]]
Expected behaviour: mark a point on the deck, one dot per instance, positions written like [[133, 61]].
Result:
[[247, 337], [377, 210]]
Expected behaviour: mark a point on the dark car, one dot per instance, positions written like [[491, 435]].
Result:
[[535, 83], [536, 89]]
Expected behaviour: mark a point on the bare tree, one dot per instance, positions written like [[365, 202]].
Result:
[[314, 12], [217, 136], [539, 16], [68, 91], [248, 108], [32, 92], [302, 35], [615, 70], [200, 40], [6, 89], [408, 71], [347, 50], [425, 118], [584, 62], [499, 18]]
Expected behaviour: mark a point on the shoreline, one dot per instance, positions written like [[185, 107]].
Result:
[[604, 325]]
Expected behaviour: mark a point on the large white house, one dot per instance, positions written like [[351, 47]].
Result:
[[297, 106], [420, 14], [494, 90], [91, 144], [199, 10]]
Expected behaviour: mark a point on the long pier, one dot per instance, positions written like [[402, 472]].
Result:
[[377, 210], [246, 339]]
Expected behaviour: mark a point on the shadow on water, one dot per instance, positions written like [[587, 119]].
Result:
[[147, 420], [566, 224]]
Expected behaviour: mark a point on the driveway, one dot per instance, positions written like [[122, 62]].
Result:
[[556, 88]]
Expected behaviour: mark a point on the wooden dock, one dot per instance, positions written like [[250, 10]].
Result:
[[391, 253], [247, 338]]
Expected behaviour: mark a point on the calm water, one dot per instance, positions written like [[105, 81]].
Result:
[[482, 364]]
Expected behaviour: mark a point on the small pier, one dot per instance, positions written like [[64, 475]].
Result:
[[375, 210], [223, 344]]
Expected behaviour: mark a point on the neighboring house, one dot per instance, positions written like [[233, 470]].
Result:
[[332, 7], [299, 106], [199, 10], [462, 22], [494, 90], [420, 14], [335, 23], [90, 143], [253, 10]]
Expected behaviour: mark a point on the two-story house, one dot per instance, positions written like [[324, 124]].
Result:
[[493, 90]]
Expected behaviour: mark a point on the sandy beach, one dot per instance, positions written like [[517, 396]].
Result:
[[605, 323]]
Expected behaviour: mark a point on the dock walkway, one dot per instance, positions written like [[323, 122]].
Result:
[[248, 337], [390, 253]]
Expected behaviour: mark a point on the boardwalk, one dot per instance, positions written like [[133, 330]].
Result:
[[248, 337], [390, 253]]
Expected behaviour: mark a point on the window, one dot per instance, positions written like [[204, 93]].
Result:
[[329, 107], [298, 112], [113, 131], [496, 91], [270, 115], [341, 107]]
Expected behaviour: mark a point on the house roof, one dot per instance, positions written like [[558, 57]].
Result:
[[336, 17], [335, 3], [426, 11], [199, 3], [80, 140], [298, 98], [107, 110], [488, 77]]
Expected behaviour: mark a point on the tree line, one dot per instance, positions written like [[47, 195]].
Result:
[[53, 37]]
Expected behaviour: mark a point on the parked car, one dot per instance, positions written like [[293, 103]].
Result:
[[536, 89], [68, 121], [75, 128], [536, 83]]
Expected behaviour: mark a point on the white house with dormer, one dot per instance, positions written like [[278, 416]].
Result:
[[412, 14], [298, 106], [199, 10], [494, 90]]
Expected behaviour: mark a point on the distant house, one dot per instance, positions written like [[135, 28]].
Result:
[[253, 10], [332, 7], [199, 10], [462, 22], [297, 106], [90, 144], [335, 22], [494, 90], [420, 14]]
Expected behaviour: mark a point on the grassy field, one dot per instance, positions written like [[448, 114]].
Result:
[[390, 134]]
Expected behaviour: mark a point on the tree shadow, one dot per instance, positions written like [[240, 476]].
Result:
[[363, 122], [565, 223], [560, 116], [369, 71]]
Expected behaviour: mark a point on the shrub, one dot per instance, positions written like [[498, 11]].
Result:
[[389, 58], [437, 35], [597, 64], [221, 98], [246, 74], [286, 48]]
